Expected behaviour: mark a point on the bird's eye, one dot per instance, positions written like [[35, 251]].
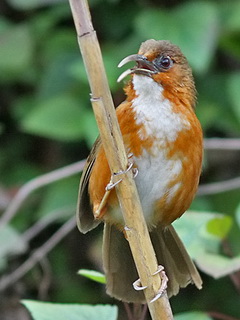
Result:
[[164, 62]]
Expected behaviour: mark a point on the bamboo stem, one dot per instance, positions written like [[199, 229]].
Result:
[[136, 229]]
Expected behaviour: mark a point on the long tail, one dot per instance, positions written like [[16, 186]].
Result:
[[172, 254], [121, 271]]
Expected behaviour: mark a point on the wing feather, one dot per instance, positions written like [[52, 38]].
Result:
[[85, 217]]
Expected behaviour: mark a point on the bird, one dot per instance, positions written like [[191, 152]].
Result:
[[164, 139]]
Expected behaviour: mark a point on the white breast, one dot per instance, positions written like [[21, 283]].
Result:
[[155, 113]]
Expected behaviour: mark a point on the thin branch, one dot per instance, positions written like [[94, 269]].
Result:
[[35, 184], [38, 254], [43, 223], [46, 279], [136, 231], [221, 144], [4, 199], [219, 187]]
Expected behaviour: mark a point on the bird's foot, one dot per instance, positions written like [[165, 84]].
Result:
[[98, 213], [112, 184], [164, 279]]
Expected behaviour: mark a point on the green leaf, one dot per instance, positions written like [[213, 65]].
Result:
[[119, 14], [233, 86], [57, 78], [89, 126], [217, 265], [192, 229], [60, 196], [220, 226], [229, 14], [230, 44], [77, 71], [238, 215], [29, 5], [192, 315], [16, 51], [204, 246], [184, 26], [93, 275], [11, 243], [44, 22], [5, 24], [50, 311], [213, 102], [58, 118], [230, 23]]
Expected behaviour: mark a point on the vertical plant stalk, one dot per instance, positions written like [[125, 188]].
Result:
[[136, 229]]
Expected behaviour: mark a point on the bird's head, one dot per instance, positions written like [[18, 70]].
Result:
[[165, 64]]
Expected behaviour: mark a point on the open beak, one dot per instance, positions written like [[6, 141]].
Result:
[[144, 66]]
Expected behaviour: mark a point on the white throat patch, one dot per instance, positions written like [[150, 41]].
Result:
[[155, 112]]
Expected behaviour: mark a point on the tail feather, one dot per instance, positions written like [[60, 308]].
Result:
[[172, 254], [121, 271], [119, 266]]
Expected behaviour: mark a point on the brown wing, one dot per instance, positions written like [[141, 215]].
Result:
[[85, 218], [100, 175]]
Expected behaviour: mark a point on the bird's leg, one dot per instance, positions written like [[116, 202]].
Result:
[[164, 279], [112, 183]]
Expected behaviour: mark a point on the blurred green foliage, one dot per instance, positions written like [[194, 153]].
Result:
[[46, 122], [70, 311]]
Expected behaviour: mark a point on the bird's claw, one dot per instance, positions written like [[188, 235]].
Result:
[[164, 279], [138, 286], [112, 184]]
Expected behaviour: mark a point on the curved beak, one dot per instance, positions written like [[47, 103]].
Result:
[[144, 66]]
